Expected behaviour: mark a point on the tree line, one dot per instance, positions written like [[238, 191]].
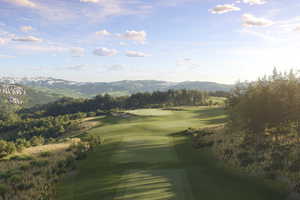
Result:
[[271, 104], [107, 102], [263, 131]]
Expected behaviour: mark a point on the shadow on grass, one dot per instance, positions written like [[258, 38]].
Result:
[[110, 120], [211, 115], [100, 176], [208, 112], [210, 179]]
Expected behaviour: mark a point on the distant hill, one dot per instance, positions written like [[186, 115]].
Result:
[[14, 96], [118, 88]]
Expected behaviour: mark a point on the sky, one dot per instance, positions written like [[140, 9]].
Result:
[[173, 40]]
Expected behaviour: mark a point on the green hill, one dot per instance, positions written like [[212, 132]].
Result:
[[13, 97]]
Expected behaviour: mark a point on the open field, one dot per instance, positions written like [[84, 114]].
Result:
[[146, 157]]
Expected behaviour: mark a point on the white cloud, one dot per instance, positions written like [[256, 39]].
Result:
[[77, 51], [138, 36], [27, 39], [26, 29], [103, 33], [220, 9], [250, 21], [253, 2], [105, 52], [135, 54], [289, 25], [24, 3], [103, 9]]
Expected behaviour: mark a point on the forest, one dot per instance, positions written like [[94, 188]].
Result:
[[107, 102]]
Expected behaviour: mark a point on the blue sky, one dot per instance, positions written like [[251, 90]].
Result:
[[173, 40]]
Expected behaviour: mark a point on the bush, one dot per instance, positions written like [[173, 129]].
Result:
[[80, 150], [23, 142], [15, 179], [93, 140], [7, 148], [37, 140]]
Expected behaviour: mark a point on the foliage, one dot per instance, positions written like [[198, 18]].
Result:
[[48, 127], [7, 148], [27, 179], [263, 132]]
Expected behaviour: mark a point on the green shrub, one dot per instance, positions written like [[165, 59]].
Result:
[[37, 140], [92, 140], [23, 142], [80, 149], [15, 179], [7, 148]]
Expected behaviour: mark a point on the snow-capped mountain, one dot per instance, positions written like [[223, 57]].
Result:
[[36, 81]]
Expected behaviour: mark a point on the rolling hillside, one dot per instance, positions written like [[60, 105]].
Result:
[[119, 88], [13, 96]]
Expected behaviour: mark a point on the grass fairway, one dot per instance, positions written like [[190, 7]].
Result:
[[144, 158]]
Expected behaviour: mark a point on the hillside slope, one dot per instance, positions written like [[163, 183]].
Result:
[[13, 96]]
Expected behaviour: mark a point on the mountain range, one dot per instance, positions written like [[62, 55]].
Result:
[[118, 88]]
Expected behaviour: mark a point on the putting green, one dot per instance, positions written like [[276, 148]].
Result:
[[150, 112], [146, 157]]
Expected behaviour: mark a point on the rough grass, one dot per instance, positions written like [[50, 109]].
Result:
[[147, 158]]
